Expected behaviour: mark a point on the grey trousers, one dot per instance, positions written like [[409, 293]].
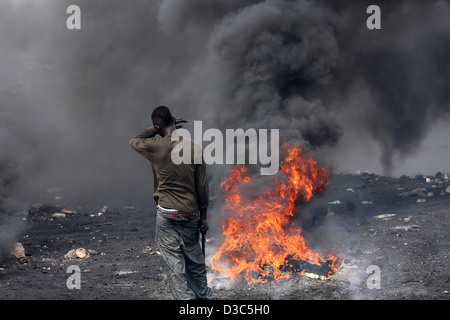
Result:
[[179, 244]]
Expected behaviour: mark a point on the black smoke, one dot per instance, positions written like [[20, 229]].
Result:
[[72, 99], [402, 72]]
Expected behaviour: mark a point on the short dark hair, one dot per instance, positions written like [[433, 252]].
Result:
[[164, 114]]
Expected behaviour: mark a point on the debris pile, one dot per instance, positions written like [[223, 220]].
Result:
[[39, 211]]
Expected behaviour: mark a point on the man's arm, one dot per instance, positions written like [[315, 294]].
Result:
[[202, 189], [142, 141]]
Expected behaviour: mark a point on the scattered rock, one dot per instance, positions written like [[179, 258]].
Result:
[[385, 216], [123, 273], [18, 251], [92, 252], [335, 202], [151, 251], [411, 227], [80, 253], [58, 215], [148, 250], [101, 212]]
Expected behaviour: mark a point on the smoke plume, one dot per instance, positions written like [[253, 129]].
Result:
[[72, 99]]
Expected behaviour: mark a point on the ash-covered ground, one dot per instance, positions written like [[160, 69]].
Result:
[[400, 225]]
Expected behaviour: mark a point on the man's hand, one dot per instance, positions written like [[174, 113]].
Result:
[[203, 226], [203, 223], [177, 121]]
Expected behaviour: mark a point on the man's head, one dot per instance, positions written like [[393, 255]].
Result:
[[163, 120]]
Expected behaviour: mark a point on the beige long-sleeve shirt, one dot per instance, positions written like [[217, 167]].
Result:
[[181, 187]]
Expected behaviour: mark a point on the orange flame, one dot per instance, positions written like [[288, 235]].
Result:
[[259, 234]]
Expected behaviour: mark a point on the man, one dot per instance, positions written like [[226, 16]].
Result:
[[181, 194]]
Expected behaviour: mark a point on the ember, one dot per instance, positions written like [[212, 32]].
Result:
[[259, 236]]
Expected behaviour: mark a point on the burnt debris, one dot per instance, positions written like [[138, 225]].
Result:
[[299, 266]]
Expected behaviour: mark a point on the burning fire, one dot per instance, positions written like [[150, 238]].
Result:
[[259, 236]]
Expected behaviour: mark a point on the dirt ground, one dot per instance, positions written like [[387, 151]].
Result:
[[410, 247]]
